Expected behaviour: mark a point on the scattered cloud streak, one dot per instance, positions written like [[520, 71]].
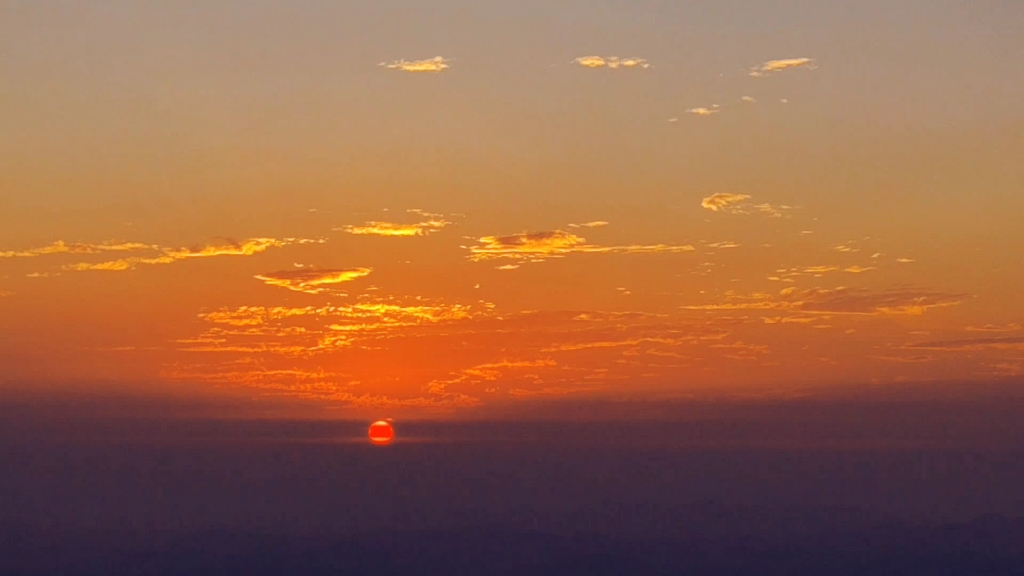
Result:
[[612, 62], [62, 247], [170, 255], [539, 246], [431, 223], [730, 203], [774, 66], [839, 301], [996, 343], [703, 111], [435, 64], [312, 280]]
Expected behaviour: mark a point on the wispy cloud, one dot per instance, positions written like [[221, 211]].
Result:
[[841, 300], [312, 280], [748, 99], [612, 62], [430, 224], [997, 343], [723, 200], [554, 391], [772, 66], [1014, 327], [703, 111], [435, 64], [539, 246], [62, 247], [170, 255], [738, 204], [594, 224]]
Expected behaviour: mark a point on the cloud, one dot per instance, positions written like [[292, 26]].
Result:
[[6, 293], [725, 244], [487, 372], [995, 328], [227, 247], [594, 224], [553, 391], [772, 66], [435, 64], [703, 111], [722, 200], [539, 246], [748, 99], [997, 343], [312, 280], [918, 359], [857, 269], [905, 260], [431, 224], [839, 301], [612, 62], [62, 247], [737, 204]]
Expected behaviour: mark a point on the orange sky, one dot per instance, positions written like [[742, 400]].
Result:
[[624, 201]]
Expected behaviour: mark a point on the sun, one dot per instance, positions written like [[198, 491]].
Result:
[[381, 432]]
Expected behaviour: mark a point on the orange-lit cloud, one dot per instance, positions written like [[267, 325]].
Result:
[[6, 293], [554, 391], [772, 66], [62, 247], [996, 343], [703, 111], [723, 200], [539, 246], [435, 64], [995, 328], [431, 224], [612, 62], [594, 224], [170, 255], [842, 300], [312, 280], [737, 204]]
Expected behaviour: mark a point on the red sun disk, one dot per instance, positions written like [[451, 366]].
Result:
[[381, 432]]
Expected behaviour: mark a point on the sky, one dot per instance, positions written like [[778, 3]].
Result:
[[417, 208]]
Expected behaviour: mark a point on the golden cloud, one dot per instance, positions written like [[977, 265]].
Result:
[[435, 64], [431, 224], [612, 62], [539, 246], [312, 280], [594, 224], [170, 255], [722, 200], [554, 391], [737, 204], [62, 247], [995, 328], [837, 301], [997, 343], [703, 111], [772, 66]]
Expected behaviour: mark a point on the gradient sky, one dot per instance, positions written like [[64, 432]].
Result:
[[402, 207]]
